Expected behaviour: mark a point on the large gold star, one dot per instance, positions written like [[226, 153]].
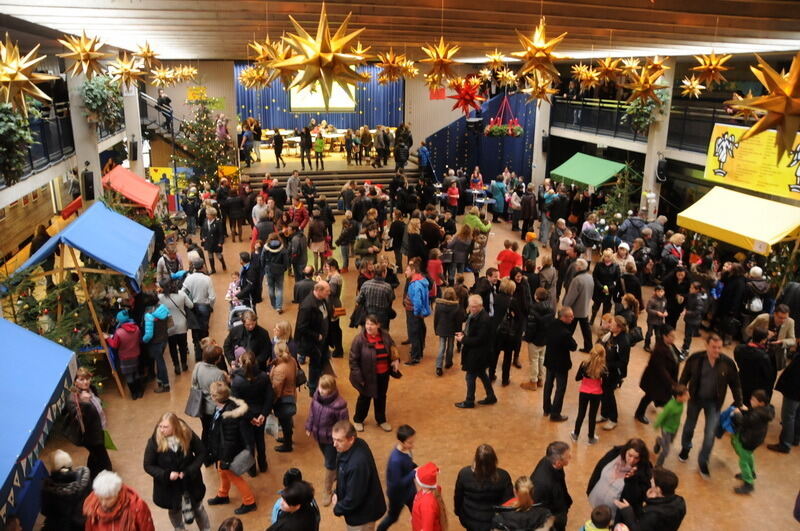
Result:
[[255, 76], [322, 59], [162, 77], [745, 113], [630, 66], [540, 88], [125, 70], [506, 77], [496, 60], [711, 68], [643, 85], [281, 53], [17, 76], [579, 71], [538, 52], [655, 65], [590, 78], [782, 104], [608, 69], [440, 57], [263, 51], [147, 56], [184, 73], [391, 65], [691, 87], [86, 54]]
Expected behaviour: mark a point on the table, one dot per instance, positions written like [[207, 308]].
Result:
[[484, 204]]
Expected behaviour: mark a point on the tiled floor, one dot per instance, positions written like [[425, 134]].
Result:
[[449, 436]]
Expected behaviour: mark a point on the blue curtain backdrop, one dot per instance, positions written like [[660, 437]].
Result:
[[455, 147], [376, 104]]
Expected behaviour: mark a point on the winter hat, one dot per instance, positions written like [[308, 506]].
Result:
[[529, 237], [61, 460], [756, 272], [122, 318], [427, 475], [625, 246], [274, 244]]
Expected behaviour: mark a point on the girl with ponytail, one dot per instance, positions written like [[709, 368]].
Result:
[[521, 511]]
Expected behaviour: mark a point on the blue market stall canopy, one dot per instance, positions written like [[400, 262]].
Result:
[[110, 238], [587, 170], [39, 373]]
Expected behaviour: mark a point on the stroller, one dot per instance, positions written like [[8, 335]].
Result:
[[235, 315]]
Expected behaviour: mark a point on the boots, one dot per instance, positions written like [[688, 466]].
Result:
[[222, 259], [213, 264], [327, 491]]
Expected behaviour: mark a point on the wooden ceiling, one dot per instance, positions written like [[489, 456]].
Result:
[[207, 29]]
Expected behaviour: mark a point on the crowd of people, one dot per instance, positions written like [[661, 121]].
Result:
[[566, 274]]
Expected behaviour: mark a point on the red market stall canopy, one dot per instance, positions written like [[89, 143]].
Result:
[[131, 186]]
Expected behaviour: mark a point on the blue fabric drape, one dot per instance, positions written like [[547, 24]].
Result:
[[376, 104], [454, 146]]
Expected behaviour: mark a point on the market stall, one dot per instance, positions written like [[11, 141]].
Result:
[[141, 193], [586, 170]]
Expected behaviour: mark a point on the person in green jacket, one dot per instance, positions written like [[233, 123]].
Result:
[[669, 420], [319, 147], [473, 220], [531, 250]]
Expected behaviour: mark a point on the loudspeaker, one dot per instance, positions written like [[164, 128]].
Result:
[[661, 171], [545, 143], [88, 185], [133, 150], [474, 124]]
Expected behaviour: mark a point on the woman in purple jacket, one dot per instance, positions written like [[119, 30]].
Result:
[[327, 408]]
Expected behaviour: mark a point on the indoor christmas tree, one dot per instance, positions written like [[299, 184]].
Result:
[[619, 198], [199, 139]]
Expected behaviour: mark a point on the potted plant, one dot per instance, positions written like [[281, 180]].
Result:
[[640, 115], [15, 139], [103, 102]]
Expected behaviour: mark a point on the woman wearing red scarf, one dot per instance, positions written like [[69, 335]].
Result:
[[372, 360], [113, 506]]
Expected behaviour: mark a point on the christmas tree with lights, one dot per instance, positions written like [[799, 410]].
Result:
[[199, 140]]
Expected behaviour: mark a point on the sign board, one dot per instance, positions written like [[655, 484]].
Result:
[[752, 164]]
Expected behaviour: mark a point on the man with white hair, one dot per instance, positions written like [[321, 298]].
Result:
[[476, 350], [579, 298], [311, 331], [200, 289], [657, 227], [114, 506]]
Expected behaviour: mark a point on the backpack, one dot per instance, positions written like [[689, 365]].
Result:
[[506, 326]]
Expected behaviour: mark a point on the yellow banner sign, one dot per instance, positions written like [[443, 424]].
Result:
[[751, 164]]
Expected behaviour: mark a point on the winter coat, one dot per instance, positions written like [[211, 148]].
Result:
[[256, 341], [604, 275], [177, 304], [756, 288], [203, 375], [655, 306], [363, 361], [732, 298], [696, 304], [63, 494], [362, 245], [448, 318], [126, 341], [579, 295], [726, 376], [560, 344], [474, 222], [311, 324], [660, 374], [460, 249], [538, 323], [477, 346], [212, 237], [418, 296], [306, 518], [167, 493], [629, 283], [230, 432], [235, 207], [283, 377], [673, 289], [618, 353], [631, 229], [475, 502], [635, 489], [548, 279], [155, 325], [317, 231], [529, 207], [130, 513], [257, 393], [274, 262], [550, 487], [789, 381], [785, 332], [498, 192], [323, 414], [752, 425], [536, 518], [359, 495], [658, 514], [755, 369]]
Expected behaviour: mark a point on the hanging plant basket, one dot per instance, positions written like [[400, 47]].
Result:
[[498, 127]]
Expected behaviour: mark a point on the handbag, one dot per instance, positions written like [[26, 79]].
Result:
[[636, 335], [286, 406], [243, 462], [300, 377], [194, 404]]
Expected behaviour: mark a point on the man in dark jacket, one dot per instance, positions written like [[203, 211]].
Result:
[[212, 236], [477, 348], [303, 285], [558, 361], [376, 296], [755, 368], [359, 494], [664, 510], [550, 485], [251, 337], [311, 330], [530, 210], [487, 287], [789, 385], [707, 374], [249, 281], [298, 511], [632, 227], [539, 321]]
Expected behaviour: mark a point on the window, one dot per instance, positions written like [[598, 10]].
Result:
[[35, 195], [25, 200]]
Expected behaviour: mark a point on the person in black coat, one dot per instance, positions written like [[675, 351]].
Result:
[[634, 459], [486, 287], [727, 318], [250, 336], [252, 385], [663, 511], [249, 280], [479, 489], [660, 375], [537, 324], [477, 349], [618, 353], [557, 358], [212, 237], [676, 288], [524, 300], [235, 208], [298, 511], [173, 457], [359, 494], [277, 146], [311, 331], [755, 367], [789, 386], [507, 314], [550, 484], [63, 493], [606, 276]]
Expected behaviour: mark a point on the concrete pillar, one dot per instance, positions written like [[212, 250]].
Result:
[[84, 135], [133, 130], [542, 124], [656, 147]]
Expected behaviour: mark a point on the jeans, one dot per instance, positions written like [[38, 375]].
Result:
[[711, 414], [178, 345], [318, 359], [747, 464], [454, 269], [318, 160], [156, 353], [298, 273], [416, 334], [345, 250], [279, 158], [305, 153], [445, 351], [363, 401], [275, 289], [536, 359], [593, 402], [506, 345], [790, 420], [329, 454], [396, 504], [197, 336], [191, 224], [287, 427], [484, 378], [398, 258], [200, 517], [560, 378], [586, 331], [609, 405], [666, 443]]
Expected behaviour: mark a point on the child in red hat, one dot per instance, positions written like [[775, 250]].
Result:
[[429, 513]]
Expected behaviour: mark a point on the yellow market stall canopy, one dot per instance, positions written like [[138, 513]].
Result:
[[742, 220], [751, 164]]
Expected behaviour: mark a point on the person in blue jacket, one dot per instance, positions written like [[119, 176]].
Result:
[[419, 307], [155, 338], [498, 191], [400, 473]]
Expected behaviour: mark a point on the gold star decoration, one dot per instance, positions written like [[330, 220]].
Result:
[[692, 87], [86, 54], [538, 52], [184, 73], [782, 104], [410, 69], [496, 60], [281, 53], [440, 57], [506, 77], [630, 66], [17, 76], [540, 88], [147, 56], [590, 78], [608, 69], [745, 113], [643, 85], [263, 51], [360, 51], [254, 76], [711, 68], [162, 77], [391, 65], [485, 74], [655, 65], [454, 82], [125, 70], [579, 71]]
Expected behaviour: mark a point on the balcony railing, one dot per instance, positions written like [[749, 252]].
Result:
[[691, 126], [52, 136]]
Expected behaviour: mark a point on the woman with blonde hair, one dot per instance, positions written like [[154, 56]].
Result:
[[590, 374], [521, 512], [672, 255], [174, 457], [282, 376], [429, 512], [416, 245]]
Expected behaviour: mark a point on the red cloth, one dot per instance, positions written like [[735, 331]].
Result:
[[131, 513], [381, 354], [126, 341], [452, 196], [507, 260], [133, 187], [425, 512], [435, 271], [300, 216]]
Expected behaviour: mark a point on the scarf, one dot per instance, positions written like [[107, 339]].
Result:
[[120, 517]]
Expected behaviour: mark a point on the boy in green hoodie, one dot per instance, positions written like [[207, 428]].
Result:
[[669, 420]]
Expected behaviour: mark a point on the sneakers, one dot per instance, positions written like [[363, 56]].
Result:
[[385, 426], [744, 488], [244, 509], [359, 426], [462, 405], [219, 500], [703, 469], [528, 386], [684, 455], [609, 425], [780, 448], [573, 436]]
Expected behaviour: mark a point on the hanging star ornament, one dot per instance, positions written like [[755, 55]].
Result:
[[692, 87], [608, 69], [781, 104], [711, 68], [147, 57], [579, 71], [281, 54], [263, 51], [540, 88], [125, 70], [17, 77], [162, 77], [86, 54], [184, 73], [744, 113], [410, 69], [643, 85], [538, 54], [360, 51], [485, 74], [391, 65], [590, 78], [440, 57], [506, 77], [496, 60], [655, 65], [630, 66], [323, 60], [466, 96]]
